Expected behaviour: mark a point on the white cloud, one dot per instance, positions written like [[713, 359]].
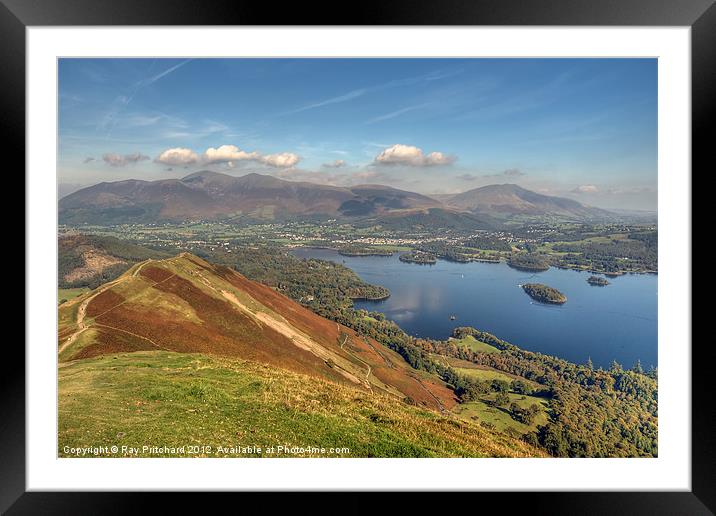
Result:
[[227, 153], [409, 155], [339, 163], [177, 156], [120, 160], [232, 154], [438, 158], [586, 189], [281, 160]]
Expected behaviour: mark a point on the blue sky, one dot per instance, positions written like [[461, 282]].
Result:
[[581, 128]]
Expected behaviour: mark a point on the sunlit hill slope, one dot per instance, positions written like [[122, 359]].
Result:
[[161, 310]]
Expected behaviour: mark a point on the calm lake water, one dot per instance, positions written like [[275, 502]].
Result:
[[616, 322]]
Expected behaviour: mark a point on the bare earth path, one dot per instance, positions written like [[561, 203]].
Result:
[[367, 375], [82, 310], [437, 400]]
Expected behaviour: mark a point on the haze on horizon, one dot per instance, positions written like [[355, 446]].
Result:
[[579, 128]]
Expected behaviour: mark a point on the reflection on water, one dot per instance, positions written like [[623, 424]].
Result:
[[616, 322]]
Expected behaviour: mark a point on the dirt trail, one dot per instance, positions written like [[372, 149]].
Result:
[[437, 400], [134, 334], [367, 375], [299, 339], [82, 310], [387, 361]]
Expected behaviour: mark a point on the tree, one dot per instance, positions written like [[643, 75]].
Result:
[[590, 365], [520, 387], [502, 399], [500, 385], [525, 416], [637, 367]]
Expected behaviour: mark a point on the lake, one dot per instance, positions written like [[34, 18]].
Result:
[[616, 322]]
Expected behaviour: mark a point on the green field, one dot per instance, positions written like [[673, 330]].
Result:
[[486, 374], [475, 345], [499, 418], [70, 293], [172, 399]]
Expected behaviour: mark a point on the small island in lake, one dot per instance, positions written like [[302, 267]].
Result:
[[597, 281], [544, 294], [420, 257], [528, 262]]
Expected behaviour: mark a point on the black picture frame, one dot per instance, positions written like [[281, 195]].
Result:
[[700, 15]]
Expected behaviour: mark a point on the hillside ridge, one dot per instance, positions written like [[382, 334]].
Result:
[[186, 304]]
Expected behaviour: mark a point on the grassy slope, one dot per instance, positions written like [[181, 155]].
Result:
[[473, 344], [172, 399], [482, 410], [70, 293]]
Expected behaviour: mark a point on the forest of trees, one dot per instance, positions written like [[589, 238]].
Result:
[[456, 253], [597, 281], [72, 249], [637, 253], [544, 294], [419, 257], [593, 412], [324, 286], [359, 250], [528, 262]]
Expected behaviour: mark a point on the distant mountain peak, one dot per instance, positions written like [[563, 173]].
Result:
[[510, 199], [213, 195], [203, 174]]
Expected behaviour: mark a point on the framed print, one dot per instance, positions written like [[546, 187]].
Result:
[[427, 251]]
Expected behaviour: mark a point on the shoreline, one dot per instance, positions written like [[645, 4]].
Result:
[[482, 260]]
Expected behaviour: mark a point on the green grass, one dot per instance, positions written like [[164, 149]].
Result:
[[70, 293], [475, 345], [482, 411], [485, 374], [172, 399]]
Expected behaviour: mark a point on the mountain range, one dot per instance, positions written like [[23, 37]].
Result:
[[210, 195]]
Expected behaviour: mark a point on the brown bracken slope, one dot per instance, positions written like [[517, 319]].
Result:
[[188, 305]]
